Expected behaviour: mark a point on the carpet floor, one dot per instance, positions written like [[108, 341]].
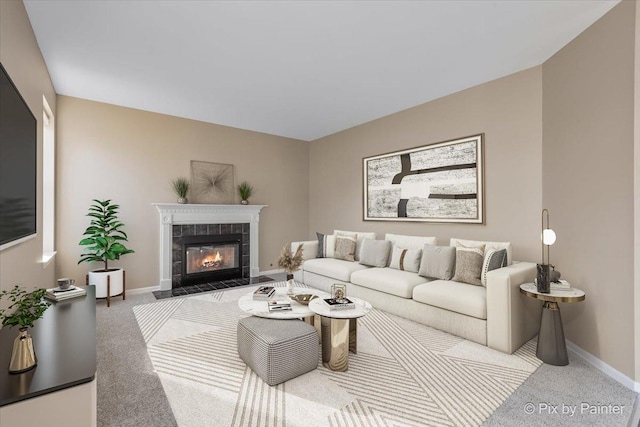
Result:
[[181, 368]]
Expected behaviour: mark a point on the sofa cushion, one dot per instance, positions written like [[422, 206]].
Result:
[[410, 242], [487, 246], [406, 259], [469, 265], [438, 262], [493, 260], [454, 296], [360, 238], [375, 253], [333, 268], [345, 246], [326, 245], [388, 280]]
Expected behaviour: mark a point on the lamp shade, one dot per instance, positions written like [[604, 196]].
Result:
[[548, 236]]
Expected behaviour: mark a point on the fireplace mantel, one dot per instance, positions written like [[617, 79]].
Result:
[[181, 214]]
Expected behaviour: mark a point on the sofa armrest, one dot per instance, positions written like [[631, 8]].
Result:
[[309, 248], [512, 318]]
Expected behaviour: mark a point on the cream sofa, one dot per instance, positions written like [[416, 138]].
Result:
[[497, 315]]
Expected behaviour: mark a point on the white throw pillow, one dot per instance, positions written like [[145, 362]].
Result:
[[326, 245], [406, 259], [410, 242]]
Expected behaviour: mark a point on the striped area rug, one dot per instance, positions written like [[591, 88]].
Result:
[[405, 374]]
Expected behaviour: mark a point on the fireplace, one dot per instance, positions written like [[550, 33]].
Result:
[[211, 258], [180, 220]]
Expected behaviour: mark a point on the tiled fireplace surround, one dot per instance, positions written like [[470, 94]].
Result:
[[180, 231], [195, 218]]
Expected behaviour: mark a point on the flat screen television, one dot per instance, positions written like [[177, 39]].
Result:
[[18, 165]]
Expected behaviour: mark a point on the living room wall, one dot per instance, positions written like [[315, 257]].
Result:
[[508, 111], [21, 57], [130, 156], [588, 173]]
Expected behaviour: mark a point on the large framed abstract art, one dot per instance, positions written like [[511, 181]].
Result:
[[441, 182]]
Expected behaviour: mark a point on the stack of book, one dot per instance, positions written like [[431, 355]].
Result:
[[279, 305], [342, 304], [263, 293], [57, 294], [560, 285]]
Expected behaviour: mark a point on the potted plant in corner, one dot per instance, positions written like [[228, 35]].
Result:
[[181, 188], [103, 244], [290, 262], [245, 190], [26, 308]]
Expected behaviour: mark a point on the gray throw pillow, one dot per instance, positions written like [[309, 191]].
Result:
[[493, 260], [469, 265], [375, 253], [438, 262]]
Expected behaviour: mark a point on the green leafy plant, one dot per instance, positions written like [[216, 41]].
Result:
[[245, 190], [289, 261], [105, 234], [27, 307], [181, 186]]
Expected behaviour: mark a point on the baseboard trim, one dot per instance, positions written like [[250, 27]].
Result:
[[143, 290], [271, 272], [605, 367]]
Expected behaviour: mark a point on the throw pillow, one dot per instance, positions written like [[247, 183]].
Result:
[[375, 253], [493, 260], [359, 239], [438, 262], [345, 246], [326, 245], [469, 265], [406, 259]]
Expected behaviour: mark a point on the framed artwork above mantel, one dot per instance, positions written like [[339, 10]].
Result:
[[442, 182]]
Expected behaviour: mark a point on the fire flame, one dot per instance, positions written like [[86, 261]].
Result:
[[212, 262]]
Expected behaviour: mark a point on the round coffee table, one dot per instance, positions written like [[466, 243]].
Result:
[[339, 332], [552, 348], [298, 311]]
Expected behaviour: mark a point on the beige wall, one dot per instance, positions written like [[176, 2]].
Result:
[[507, 110], [130, 156], [588, 172], [21, 57], [636, 192]]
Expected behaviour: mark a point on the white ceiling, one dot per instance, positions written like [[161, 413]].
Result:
[[301, 69]]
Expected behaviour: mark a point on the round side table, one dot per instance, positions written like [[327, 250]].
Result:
[[552, 348], [339, 332]]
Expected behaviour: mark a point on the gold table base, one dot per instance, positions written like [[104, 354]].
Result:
[[339, 337]]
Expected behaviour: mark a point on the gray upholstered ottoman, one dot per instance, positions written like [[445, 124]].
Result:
[[277, 350]]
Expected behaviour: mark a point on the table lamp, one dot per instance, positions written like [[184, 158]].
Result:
[[548, 238]]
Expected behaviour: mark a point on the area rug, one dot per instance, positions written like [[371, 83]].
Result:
[[405, 374]]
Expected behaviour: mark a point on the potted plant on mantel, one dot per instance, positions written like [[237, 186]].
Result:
[[26, 308], [245, 190], [103, 244], [181, 188]]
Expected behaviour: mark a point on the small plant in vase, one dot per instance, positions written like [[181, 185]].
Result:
[[245, 190], [103, 244], [181, 188], [290, 262], [26, 308]]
